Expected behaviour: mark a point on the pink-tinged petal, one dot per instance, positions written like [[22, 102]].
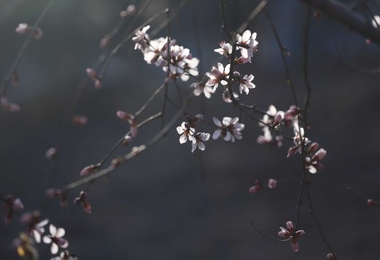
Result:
[[46, 239], [283, 234], [53, 230], [182, 139], [312, 169], [193, 146], [63, 243], [300, 233], [294, 244], [216, 122], [246, 35], [54, 248], [292, 151], [254, 189], [201, 146], [289, 225], [313, 147], [320, 154], [220, 67], [216, 134], [60, 232], [17, 205], [227, 69], [37, 236]]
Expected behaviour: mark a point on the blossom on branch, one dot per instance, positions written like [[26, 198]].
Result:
[[12, 205], [35, 224], [218, 75], [247, 44], [229, 129], [55, 239], [197, 141], [290, 233]]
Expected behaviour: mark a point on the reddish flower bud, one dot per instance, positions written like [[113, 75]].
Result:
[[82, 200], [371, 202], [272, 183], [92, 73], [88, 170], [331, 256], [256, 187], [79, 120]]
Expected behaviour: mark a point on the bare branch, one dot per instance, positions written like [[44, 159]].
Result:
[[343, 14]]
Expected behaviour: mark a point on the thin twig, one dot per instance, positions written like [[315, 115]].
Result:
[[17, 61]]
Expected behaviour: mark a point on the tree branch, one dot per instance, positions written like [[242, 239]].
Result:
[[343, 14]]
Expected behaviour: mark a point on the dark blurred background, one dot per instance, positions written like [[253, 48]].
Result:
[[158, 206]]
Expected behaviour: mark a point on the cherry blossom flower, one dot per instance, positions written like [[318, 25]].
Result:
[[312, 162], [371, 202], [156, 51], [225, 49], [197, 141], [185, 133], [272, 183], [201, 87], [291, 116], [24, 28], [255, 188], [82, 200], [247, 43], [290, 233], [55, 239], [35, 224], [218, 75], [298, 139], [229, 129], [141, 39], [65, 255], [268, 118], [12, 205], [246, 84]]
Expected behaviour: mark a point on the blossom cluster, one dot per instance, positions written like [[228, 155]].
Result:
[[274, 119], [221, 75], [229, 129], [174, 59]]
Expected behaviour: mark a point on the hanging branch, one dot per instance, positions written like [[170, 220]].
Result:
[[343, 14]]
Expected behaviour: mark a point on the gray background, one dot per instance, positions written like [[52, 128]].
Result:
[[157, 206]]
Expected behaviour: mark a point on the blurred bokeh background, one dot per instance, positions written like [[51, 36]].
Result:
[[169, 203]]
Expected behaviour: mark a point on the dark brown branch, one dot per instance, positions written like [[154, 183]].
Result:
[[343, 14]]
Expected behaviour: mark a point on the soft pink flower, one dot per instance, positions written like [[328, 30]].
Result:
[[229, 129], [12, 205], [55, 239], [290, 233], [225, 49], [197, 141], [218, 75], [272, 183]]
